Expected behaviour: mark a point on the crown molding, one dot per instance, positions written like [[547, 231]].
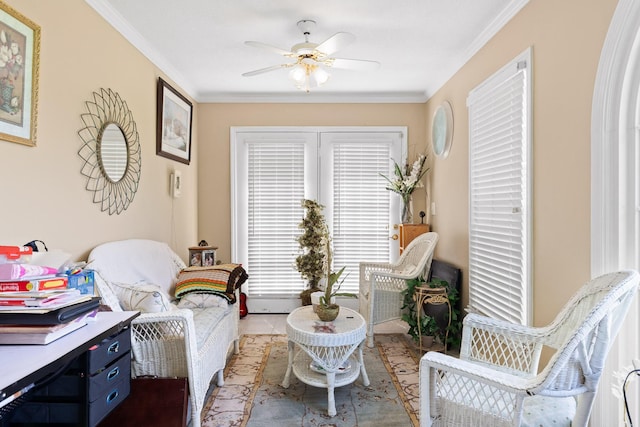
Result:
[[104, 9], [317, 98], [492, 29]]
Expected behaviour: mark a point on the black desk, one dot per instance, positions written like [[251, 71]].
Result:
[[22, 366]]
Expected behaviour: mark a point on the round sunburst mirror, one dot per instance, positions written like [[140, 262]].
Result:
[[111, 151]]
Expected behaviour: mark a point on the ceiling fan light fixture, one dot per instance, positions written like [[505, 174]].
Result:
[[298, 74], [305, 76], [310, 58], [320, 76]]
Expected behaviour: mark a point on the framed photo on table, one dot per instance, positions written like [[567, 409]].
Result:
[[173, 127], [202, 256], [19, 70]]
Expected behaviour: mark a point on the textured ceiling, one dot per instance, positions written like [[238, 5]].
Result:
[[199, 44]]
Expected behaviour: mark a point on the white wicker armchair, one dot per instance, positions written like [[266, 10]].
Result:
[[496, 380], [381, 284], [179, 342]]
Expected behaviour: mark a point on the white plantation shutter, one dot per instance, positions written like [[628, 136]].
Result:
[[274, 169], [277, 170], [499, 183], [359, 204]]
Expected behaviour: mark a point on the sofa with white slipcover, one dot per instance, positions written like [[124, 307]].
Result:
[[191, 337]]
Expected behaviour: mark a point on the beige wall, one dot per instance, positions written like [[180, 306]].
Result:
[[567, 38], [216, 120], [42, 191]]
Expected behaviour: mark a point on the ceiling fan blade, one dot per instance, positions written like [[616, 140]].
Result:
[[335, 43], [269, 47], [265, 70], [352, 64]]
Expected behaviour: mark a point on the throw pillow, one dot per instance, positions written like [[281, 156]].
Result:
[[220, 280], [144, 297]]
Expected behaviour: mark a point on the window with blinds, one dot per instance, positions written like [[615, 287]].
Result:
[[500, 193]]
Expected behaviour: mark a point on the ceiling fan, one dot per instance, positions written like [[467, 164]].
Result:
[[311, 59]]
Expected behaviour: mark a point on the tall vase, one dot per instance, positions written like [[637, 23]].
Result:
[[406, 215]]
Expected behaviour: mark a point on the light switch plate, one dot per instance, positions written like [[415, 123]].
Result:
[[176, 183]]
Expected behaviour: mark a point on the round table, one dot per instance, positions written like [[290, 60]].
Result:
[[326, 358]]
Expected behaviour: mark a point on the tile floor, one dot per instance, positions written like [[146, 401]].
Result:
[[276, 324]]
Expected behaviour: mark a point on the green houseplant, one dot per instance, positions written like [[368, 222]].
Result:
[[435, 326], [310, 263], [314, 264], [328, 310]]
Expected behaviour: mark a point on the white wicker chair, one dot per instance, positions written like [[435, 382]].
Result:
[[190, 343], [496, 381], [381, 284]]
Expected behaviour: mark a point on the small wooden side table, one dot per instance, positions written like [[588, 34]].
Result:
[[435, 296]]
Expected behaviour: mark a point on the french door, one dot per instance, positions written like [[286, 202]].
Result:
[[274, 169]]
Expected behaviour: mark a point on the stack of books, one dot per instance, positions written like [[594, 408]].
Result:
[[40, 317], [37, 306]]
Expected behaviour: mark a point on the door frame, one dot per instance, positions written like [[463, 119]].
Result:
[[286, 305]]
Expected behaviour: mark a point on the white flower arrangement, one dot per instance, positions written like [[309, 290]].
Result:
[[406, 182]]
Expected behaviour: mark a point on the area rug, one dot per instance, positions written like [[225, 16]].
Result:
[[253, 397]]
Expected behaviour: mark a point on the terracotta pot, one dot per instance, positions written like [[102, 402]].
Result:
[[327, 313]]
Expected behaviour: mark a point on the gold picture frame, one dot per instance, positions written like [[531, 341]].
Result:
[[19, 71]]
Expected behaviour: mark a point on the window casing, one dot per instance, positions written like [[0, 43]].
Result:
[[275, 169]]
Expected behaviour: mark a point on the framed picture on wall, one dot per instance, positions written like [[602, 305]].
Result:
[[19, 68], [173, 127]]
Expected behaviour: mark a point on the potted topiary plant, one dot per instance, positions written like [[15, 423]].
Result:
[[310, 263]]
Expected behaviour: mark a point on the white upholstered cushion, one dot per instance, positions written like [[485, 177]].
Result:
[[207, 320], [145, 297], [548, 411], [197, 300]]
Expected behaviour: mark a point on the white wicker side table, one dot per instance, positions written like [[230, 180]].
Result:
[[326, 359]]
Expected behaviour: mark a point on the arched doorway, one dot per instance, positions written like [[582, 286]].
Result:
[[615, 189]]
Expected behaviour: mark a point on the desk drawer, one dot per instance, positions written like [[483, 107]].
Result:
[[109, 376], [108, 350], [108, 400]]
